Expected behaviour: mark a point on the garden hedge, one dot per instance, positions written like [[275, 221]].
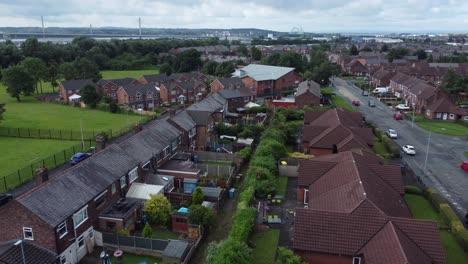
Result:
[[413, 190], [434, 197]]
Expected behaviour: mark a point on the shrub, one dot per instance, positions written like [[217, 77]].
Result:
[[377, 133], [267, 162], [413, 190], [122, 232], [434, 197], [147, 231], [246, 197], [245, 153], [448, 215], [244, 221], [199, 215], [462, 236], [197, 197], [391, 147], [158, 209], [272, 134], [229, 252]]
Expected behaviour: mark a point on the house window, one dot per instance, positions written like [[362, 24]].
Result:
[[81, 241], [91, 233], [131, 98], [180, 140], [63, 260], [69, 92], [100, 200], [173, 92], [173, 100], [451, 116], [80, 217], [28, 233], [113, 88], [166, 151], [113, 188], [306, 196], [123, 182], [356, 260], [465, 118], [138, 96], [133, 175], [62, 229], [113, 95], [174, 144]]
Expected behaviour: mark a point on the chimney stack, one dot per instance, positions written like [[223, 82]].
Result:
[[41, 175], [138, 127], [100, 142]]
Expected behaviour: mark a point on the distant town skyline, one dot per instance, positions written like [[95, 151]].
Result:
[[412, 16]]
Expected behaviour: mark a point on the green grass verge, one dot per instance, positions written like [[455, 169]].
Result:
[[341, 102], [422, 209], [444, 127], [281, 185], [266, 245], [132, 74]]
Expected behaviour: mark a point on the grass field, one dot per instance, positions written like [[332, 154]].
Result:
[[281, 185], [422, 209], [266, 244], [340, 102], [162, 233], [122, 74], [444, 127]]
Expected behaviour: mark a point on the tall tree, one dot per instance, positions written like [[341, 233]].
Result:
[[210, 67], [86, 69], [37, 69], [422, 55], [353, 50], [158, 209], [89, 95], [9, 54], [225, 69], [292, 59], [2, 110], [30, 47], [189, 60], [197, 197], [17, 81], [255, 53], [52, 76], [166, 68], [242, 50], [67, 71], [384, 48]]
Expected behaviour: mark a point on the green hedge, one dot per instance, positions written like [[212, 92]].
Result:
[[391, 147], [243, 224], [245, 153], [413, 190], [435, 198]]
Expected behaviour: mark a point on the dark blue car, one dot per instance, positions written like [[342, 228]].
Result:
[[79, 157]]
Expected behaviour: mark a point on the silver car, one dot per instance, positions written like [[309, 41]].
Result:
[[410, 150], [391, 133]]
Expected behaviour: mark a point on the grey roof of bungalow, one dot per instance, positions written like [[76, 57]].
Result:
[[143, 89], [213, 103], [62, 196], [32, 253], [184, 120]]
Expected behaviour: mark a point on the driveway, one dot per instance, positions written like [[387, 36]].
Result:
[[438, 157]]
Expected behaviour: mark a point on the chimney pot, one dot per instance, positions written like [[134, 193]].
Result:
[[41, 175], [101, 141]]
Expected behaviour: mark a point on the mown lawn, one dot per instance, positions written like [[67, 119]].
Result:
[[379, 148], [444, 127], [122, 74], [422, 209], [281, 185], [266, 244], [163, 233], [341, 102]]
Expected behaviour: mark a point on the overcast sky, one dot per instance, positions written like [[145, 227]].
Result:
[[281, 15]]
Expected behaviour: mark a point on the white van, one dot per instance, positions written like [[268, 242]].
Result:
[[380, 90]]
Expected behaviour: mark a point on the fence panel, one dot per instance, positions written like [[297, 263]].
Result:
[[143, 243], [158, 244]]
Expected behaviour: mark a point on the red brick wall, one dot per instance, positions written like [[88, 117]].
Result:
[[15, 216], [216, 86], [142, 80], [63, 93], [122, 97], [179, 227], [201, 137], [317, 258], [300, 194], [163, 94], [307, 99]]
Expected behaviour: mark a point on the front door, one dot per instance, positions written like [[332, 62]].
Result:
[[444, 117]]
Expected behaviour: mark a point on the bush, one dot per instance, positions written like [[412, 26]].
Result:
[[377, 133], [462, 236], [147, 231], [229, 252], [267, 162], [197, 197], [245, 198], [199, 215], [245, 153], [448, 215], [244, 221], [413, 190], [434, 197], [122, 232], [391, 147]]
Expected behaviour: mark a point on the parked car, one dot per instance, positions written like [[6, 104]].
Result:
[[464, 165], [391, 133], [79, 157], [398, 116], [380, 90], [408, 149], [365, 93], [5, 198], [371, 103], [402, 107], [356, 102]]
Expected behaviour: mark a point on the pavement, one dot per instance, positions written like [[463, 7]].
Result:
[[61, 169], [438, 157]]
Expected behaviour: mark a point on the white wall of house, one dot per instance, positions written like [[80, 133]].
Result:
[[76, 251]]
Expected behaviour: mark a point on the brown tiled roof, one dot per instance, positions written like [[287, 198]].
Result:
[[340, 182], [382, 74], [421, 89], [369, 233]]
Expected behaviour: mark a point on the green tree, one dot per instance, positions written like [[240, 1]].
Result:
[[384, 48], [52, 76], [199, 215], [86, 69], [17, 81], [229, 252], [89, 95], [67, 71], [242, 50], [210, 68], [30, 47], [2, 110], [422, 55], [166, 68], [255, 53], [158, 209], [292, 59], [188, 60], [147, 231], [197, 197], [287, 256], [9, 54], [225, 69], [353, 50], [37, 69], [397, 53]]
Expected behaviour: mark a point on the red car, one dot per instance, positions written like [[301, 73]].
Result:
[[356, 102], [398, 116], [464, 165]]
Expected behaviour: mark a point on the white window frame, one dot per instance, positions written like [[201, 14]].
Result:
[[138, 96], [28, 229], [123, 182], [63, 259], [81, 240], [465, 118], [133, 175], [173, 92], [246, 99], [179, 140], [69, 92], [91, 233], [451, 116], [113, 188], [168, 151], [306, 195], [83, 214], [63, 225]]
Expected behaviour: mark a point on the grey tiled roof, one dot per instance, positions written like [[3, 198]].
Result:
[[242, 91], [233, 81], [64, 195], [33, 254], [184, 120], [156, 78], [143, 89], [117, 82], [76, 84], [308, 85], [212, 103], [199, 117], [150, 141]]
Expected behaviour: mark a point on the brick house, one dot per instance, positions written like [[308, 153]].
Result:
[[308, 94], [185, 124], [63, 214], [190, 76], [156, 79], [334, 130], [138, 96], [442, 108], [268, 80], [237, 97], [356, 68], [182, 92], [381, 78], [110, 87], [71, 87]]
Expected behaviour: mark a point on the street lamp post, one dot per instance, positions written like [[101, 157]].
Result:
[[427, 151], [412, 120], [20, 242]]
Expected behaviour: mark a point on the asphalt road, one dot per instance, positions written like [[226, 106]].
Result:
[[441, 170]]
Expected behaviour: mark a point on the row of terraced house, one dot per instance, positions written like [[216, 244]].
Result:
[[66, 215], [351, 205]]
